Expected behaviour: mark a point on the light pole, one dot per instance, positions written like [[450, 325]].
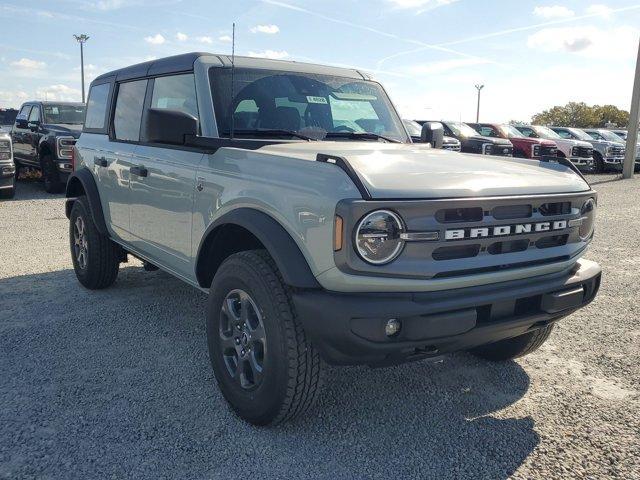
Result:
[[634, 118], [479, 88], [81, 39]]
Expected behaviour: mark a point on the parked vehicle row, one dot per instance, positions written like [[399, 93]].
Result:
[[320, 232]]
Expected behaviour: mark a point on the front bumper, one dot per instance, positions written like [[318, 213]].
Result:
[[7, 175], [348, 328], [582, 162]]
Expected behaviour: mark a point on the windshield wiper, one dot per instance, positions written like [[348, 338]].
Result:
[[268, 131], [361, 135]]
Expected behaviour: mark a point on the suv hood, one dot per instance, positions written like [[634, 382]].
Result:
[[403, 171]]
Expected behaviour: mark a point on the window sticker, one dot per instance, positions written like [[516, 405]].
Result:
[[353, 96], [320, 100]]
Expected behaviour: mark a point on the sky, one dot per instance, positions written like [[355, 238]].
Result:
[[429, 54]]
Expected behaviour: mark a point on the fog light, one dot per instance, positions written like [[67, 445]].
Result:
[[392, 327]]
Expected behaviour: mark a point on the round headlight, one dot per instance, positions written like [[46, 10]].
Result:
[[378, 237], [588, 212]]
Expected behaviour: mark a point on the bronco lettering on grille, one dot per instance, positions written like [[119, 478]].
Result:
[[504, 230]]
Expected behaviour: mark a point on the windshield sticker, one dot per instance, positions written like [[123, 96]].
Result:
[[52, 110], [320, 100], [354, 96]]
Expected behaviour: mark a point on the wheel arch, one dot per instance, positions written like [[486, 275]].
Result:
[[81, 182], [245, 229]]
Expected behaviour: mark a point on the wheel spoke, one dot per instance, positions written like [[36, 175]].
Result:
[[255, 366], [227, 342]]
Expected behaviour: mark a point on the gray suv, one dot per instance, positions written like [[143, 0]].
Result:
[[292, 194]]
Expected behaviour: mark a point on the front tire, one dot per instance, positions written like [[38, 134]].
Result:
[[514, 347], [598, 163], [50, 175], [265, 366], [96, 259]]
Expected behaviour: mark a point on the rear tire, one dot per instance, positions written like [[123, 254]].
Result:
[[50, 175], [514, 347], [96, 259], [279, 375]]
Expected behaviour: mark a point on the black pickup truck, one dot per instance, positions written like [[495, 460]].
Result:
[[43, 135], [472, 142]]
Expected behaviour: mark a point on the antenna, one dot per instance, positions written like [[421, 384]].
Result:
[[233, 77]]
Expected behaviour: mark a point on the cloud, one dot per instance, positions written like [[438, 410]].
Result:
[[554, 11], [273, 54], [28, 64], [59, 92], [225, 38], [207, 40], [12, 98], [182, 37], [269, 29], [600, 10], [590, 41], [445, 66], [157, 39], [108, 4]]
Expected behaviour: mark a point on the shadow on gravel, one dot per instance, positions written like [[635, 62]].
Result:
[[117, 383], [32, 189]]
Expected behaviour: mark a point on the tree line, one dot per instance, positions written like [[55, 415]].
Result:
[[581, 115]]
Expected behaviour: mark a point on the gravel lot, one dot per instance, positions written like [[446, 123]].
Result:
[[117, 383]]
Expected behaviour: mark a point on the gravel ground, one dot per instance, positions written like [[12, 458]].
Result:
[[117, 383]]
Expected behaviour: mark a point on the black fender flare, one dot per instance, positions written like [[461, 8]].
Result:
[[81, 182], [283, 249]]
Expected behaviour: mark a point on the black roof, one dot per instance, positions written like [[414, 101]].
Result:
[[177, 63]]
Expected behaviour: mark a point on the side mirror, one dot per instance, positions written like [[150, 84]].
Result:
[[21, 123], [433, 133], [169, 126]]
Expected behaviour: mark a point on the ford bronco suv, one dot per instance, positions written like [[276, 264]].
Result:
[[43, 137], [292, 194], [578, 151], [607, 155], [7, 167], [523, 147]]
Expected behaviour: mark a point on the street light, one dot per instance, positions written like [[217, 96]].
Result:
[[479, 88], [81, 39]]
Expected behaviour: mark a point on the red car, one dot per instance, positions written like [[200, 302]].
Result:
[[523, 147]]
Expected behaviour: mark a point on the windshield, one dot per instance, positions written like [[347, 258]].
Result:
[[607, 135], [414, 128], [546, 132], [67, 114], [462, 129], [312, 105], [510, 131], [581, 134]]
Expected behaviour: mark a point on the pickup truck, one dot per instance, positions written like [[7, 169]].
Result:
[[472, 141], [607, 154], [414, 129], [43, 136], [523, 147], [578, 151], [604, 135], [292, 195]]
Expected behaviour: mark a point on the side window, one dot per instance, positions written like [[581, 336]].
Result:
[[527, 132], [97, 106], [34, 116], [176, 92], [128, 113], [564, 134], [487, 132], [24, 112]]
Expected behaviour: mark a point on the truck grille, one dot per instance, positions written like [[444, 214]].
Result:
[[502, 150], [548, 150], [617, 151], [584, 152], [454, 147]]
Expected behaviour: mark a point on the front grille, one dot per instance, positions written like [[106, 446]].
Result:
[[617, 151], [547, 150], [584, 152], [502, 150], [474, 235]]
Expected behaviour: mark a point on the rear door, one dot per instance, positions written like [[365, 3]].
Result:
[[162, 190]]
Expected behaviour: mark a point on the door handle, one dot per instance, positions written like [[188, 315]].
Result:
[[100, 161], [139, 171]]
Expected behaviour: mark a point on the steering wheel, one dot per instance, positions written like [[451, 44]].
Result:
[[342, 128]]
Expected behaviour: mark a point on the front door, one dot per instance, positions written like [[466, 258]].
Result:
[[20, 134]]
